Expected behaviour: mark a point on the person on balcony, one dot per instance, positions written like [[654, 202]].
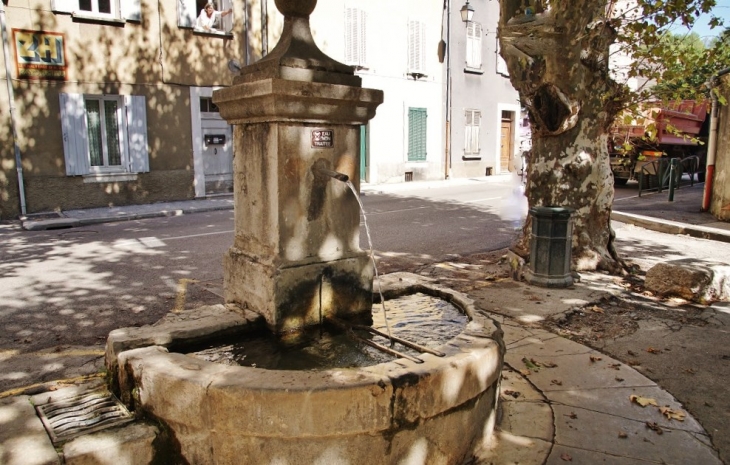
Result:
[[209, 18]]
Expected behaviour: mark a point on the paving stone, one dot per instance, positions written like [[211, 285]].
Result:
[[23, 440], [573, 367], [513, 382], [615, 401], [574, 426], [562, 455], [508, 449], [529, 419], [127, 445]]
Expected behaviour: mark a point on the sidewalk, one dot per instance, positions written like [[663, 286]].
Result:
[[561, 401]]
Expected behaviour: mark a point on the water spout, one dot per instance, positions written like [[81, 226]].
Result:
[[333, 174]]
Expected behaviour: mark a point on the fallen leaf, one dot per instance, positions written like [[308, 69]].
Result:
[[654, 351], [672, 414], [549, 364], [620, 380], [643, 401], [654, 427], [622, 435], [634, 363], [514, 394], [565, 456], [632, 353], [596, 309], [530, 364], [595, 358], [691, 371], [524, 372], [572, 415], [556, 382], [615, 366]]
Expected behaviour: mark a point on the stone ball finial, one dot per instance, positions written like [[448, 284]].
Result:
[[298, 8]]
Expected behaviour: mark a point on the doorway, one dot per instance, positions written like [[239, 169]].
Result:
[[506, 147], [212, 145]]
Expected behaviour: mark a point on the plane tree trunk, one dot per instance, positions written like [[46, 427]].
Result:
[[558, 61]]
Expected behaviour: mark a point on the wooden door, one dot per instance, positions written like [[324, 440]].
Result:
[[505, 147]]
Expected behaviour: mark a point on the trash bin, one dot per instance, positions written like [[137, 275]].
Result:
[[550, 247]]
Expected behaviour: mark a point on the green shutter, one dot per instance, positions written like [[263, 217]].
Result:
[[416, 134]]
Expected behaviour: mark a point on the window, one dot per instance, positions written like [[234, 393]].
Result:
[[416, 48], [471, 131], [501, 64], [103, 7], [474, 45], [417, 134], [356, 37], [188, 12], [103, 126], [104, 134], [103, 10], [207, 105]]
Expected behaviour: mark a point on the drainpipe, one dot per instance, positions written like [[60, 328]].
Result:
[[712, 140], [11, 101], [447, 157]]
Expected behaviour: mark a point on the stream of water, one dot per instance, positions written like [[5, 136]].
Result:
[[372, 257]]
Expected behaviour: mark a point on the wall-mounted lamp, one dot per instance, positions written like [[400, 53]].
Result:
[[467, 12]]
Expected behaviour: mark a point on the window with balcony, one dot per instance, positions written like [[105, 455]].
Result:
[[104, 136]]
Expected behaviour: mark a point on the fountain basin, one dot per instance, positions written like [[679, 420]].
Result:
[[396, 412]]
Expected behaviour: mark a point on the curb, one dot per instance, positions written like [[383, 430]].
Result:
[[672, 227], [63, 223]]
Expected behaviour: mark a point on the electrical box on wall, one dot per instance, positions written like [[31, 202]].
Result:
[[215, 139]]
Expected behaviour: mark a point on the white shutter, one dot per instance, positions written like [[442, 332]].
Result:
[[471, 131], [355, 37], [131, 10], [73, 132], [474, 45], [136, 114], [501, 64], [349, 36], [186, 14], [362, 46], [64, 6], [416, 45], [477, 122]]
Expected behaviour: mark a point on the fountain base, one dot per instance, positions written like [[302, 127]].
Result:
[[434, 412]]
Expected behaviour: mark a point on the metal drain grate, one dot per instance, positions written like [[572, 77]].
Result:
[[75, 416]]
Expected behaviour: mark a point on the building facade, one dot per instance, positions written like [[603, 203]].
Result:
[[482, 108], [111, 103], [111, 99]]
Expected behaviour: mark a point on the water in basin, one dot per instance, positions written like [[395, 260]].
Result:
[[422, 319]]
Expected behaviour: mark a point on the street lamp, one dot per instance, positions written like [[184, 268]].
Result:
[[467, 11]]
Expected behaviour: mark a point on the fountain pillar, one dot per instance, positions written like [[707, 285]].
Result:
[[297, 116]]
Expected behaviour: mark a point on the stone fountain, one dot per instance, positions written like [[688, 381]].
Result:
[[296, 261]]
